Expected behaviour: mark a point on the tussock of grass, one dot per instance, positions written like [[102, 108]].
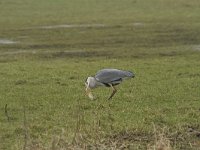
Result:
[[161, 141], [93, 136]]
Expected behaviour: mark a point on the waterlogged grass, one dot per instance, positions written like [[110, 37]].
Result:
[[42, 74]]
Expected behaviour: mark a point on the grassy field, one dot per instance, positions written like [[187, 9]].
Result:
[[48, 48]]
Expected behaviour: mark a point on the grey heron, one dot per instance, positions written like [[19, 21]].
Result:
[[108, 78]]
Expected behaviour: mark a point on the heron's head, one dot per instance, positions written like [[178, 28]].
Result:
[[90, 83]]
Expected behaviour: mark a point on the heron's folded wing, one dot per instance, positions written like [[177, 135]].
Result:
[[110, 75]]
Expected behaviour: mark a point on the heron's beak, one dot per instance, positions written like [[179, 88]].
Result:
[[89, 93]]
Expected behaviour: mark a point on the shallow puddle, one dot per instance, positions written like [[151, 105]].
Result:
[[196, 47], [73, 26], [4, 41], [59, 54], [138, 24]]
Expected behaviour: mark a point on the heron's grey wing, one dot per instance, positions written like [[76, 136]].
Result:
[[110, 75]]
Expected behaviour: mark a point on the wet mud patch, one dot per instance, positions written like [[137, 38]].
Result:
[[169, 54], [7, 60], [74, 54], [47, 46], [18, 52], [57, 54]]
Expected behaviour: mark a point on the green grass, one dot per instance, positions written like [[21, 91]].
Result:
[[42, 75]]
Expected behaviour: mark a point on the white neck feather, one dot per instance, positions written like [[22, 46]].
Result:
[[93, 83]]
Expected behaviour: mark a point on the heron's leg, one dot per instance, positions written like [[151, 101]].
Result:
[[114, 91]]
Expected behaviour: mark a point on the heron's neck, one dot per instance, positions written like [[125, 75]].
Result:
[[94, 83]]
